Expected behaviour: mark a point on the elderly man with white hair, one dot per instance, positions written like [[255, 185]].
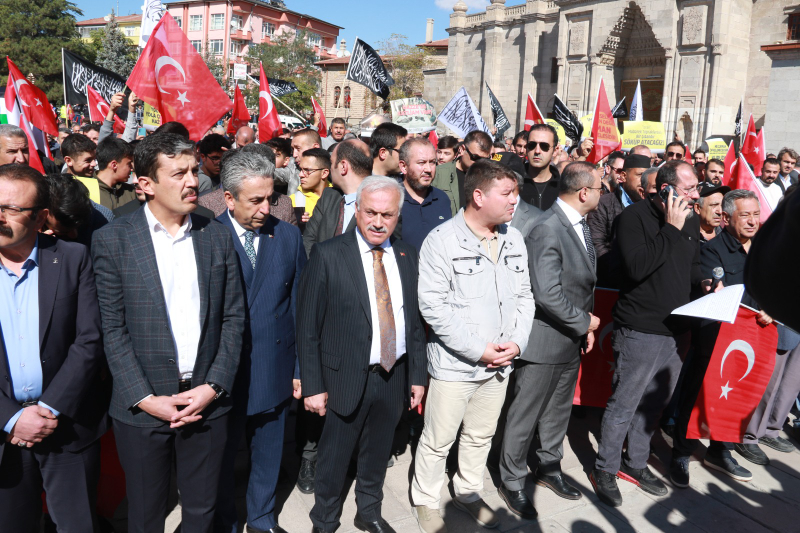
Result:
[[361, 346]]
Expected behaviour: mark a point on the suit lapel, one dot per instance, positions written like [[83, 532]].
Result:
[[353, 262], [50, 261], [573, 236], [202, 256], [407, 278], [267, 249], [145, 256]]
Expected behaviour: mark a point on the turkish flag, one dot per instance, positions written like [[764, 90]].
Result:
[[240, 116], [597, 366], [730, 164], [269, 124], [323, 126], [532, 114], [743, 178], [172, 77], [738, 373], [35, 106], [753, 149], [604, 128], [98, 109], [433, 138]]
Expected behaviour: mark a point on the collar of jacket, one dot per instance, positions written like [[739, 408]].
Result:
[[468, 240]]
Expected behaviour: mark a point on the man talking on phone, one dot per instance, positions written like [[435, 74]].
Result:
[[659, 252]]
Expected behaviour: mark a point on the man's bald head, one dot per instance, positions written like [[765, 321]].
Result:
[[244, 136], [641, 150]]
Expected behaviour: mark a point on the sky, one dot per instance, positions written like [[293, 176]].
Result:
[[371, 21]]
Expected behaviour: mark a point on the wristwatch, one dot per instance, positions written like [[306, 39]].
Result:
[[219, 390]]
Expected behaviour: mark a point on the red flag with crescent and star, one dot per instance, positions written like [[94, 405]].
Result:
[[240, 116], [753, 148], [98, 109], [597, 367], [32, 99], [532, 114], [604, 128], [323, 125], [269, 124], [737, 375], [172, 77]]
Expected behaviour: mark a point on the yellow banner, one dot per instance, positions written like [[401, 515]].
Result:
[[717, 149], [151, 118], [650, 134], [562, 135]]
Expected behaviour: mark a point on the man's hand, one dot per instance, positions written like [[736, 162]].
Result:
[[317, 403], [706, 285], [315, 119], [589, 342], [491, 354], [195, 400], [305, 217], [594, 323], [133, 101], [34, 425], [297, 389], [417, 392], [677, 209], [161, 407], [586, 147], [763, 319], [505, 353]]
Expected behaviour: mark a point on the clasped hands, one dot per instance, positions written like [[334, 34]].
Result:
[[167, 408]]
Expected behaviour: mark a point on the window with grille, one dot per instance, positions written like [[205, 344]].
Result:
[[236, 48], [237, 23], [337, 93], [794, 27], [197, 45], [195, 22], [179, 21], [267, 30], [347, 97], [215, 47], [314, 39], [218, 21]]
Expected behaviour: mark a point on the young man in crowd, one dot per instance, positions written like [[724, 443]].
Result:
[[114, 167], [385, 144], [715, 169], [211, 149], [315, 168], [451, 176], [541, 183], [80, 155], [446, 149]]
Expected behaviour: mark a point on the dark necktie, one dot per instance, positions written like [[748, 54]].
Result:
[[340, 221], [587, 235], [249, 249], [383, 300]]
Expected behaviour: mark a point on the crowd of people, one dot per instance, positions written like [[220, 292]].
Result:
[[186, 294]]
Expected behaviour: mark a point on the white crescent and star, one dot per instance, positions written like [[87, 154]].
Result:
[[265, 95], [164, 61], [737, 346], [16, 86]]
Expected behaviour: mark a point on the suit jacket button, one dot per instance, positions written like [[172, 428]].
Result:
[[278, 341], [276, 315]]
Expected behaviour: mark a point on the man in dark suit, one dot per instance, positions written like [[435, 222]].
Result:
[[52, 410], [271, 257], [562, 270], [173, 315], [351, 162], [362, 351]]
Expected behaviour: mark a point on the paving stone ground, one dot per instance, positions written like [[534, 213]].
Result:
[[713, 503]]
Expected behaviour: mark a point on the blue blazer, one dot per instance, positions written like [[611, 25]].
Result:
[[269, 357]]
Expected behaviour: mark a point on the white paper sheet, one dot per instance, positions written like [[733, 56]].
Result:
[[722, 305]]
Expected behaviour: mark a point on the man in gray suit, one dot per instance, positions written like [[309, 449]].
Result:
[[562, 270]]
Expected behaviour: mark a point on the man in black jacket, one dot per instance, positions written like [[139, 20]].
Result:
[[659, 252], [540, 188]]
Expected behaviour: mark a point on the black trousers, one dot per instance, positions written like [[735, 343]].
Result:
[[70, 480], [370, 427], [307, 432], [147, 456]]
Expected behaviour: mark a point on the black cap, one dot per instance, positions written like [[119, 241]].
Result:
[[636, 161], [510, 160], [706, 188]]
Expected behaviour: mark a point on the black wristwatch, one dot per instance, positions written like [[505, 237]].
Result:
[[219, 390]]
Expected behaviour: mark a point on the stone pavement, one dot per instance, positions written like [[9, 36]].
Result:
[[713, 503]]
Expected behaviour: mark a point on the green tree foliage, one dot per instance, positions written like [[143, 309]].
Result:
[[117, 53], [32, 33], [214, 64], [406, 63], [288, 57]]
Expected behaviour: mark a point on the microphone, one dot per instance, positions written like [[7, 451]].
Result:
[[718, 274]]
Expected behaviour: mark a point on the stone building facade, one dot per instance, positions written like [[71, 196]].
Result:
[[696, 59]]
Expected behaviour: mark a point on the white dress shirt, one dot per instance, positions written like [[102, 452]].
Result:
[[177, 269], [772, 192], [786, 180], [395, 292], [349, 210], [241, 232], [574, 218]]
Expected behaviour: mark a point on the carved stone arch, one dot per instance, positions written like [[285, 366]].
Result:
[[632, 42]]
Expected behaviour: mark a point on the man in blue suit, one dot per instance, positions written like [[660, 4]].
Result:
[[271, 257]]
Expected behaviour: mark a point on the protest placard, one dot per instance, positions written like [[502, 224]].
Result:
[[414, 114], [650, 134]]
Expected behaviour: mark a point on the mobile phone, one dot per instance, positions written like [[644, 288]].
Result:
[[664, 193], [142, 132]]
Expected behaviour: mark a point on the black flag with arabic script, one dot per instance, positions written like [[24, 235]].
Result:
[[366, 68], [500, 119], [282, 87], [572, 126], [80, 72], [620, 110]]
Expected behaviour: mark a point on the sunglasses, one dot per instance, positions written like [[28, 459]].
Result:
[[531, 146], [675, 154], [472, 156]]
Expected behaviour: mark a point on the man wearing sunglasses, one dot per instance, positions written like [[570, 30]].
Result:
[[541, 184], [675, 151], [612, 170], [450, 177]]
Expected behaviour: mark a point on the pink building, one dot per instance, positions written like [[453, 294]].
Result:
[[228, 27]]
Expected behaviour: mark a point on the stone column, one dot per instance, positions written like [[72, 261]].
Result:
[[492, 38]]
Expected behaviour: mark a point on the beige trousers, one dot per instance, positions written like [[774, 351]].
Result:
[[477, 405]]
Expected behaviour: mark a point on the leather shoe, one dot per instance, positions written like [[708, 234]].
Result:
[[379, 526], [305, 479], [518, 503], [276, 529], [559, 485]]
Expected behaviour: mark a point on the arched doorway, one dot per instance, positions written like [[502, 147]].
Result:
[[636, 55]]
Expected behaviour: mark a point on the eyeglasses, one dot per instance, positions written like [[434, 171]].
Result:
[[309, 171], [14, 211], [472, 156], [601, 189], [531, 146], [391, 149], [696, 188], [675, 154]]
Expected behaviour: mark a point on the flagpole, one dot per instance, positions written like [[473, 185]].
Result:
[[64, 83], [278, 99]]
